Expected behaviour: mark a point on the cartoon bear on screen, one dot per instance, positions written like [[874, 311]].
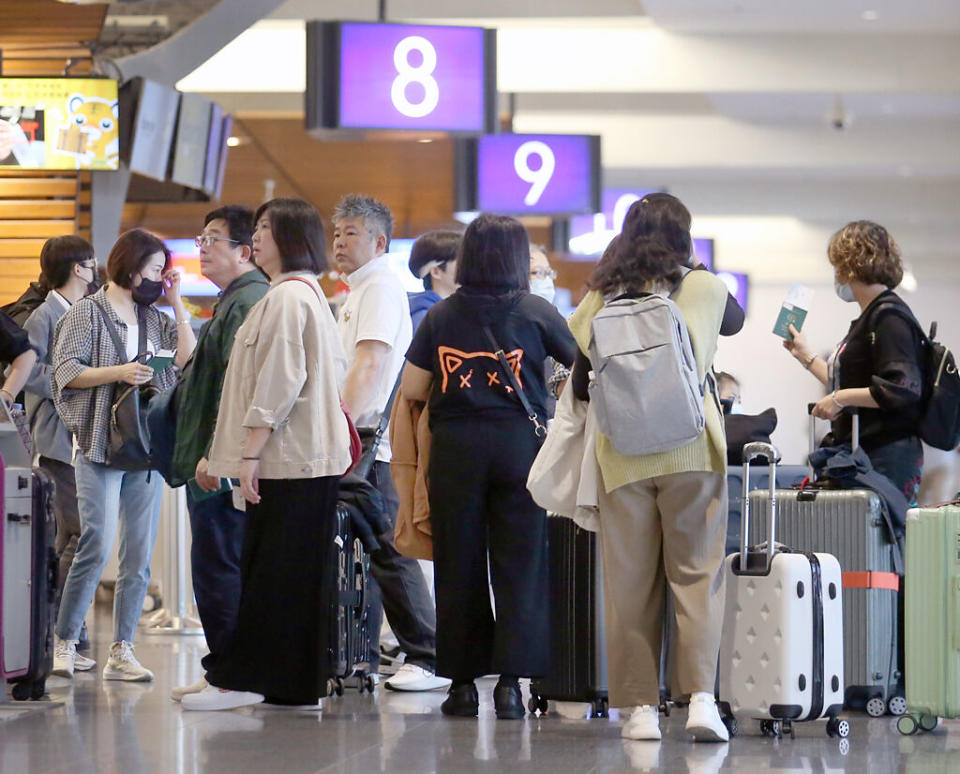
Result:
[[91, 135]]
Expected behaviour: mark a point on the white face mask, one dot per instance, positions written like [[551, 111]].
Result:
[[844, 292], [736, 408], [543, 287]]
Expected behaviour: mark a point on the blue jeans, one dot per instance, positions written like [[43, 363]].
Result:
[[218, 531], [109, 499]]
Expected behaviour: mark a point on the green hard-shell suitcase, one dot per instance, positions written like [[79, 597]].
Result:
[[932, 617]]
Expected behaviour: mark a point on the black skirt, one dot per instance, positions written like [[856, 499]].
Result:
[[289, 577]]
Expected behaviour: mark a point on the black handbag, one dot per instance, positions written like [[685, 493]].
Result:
[[128, 438]]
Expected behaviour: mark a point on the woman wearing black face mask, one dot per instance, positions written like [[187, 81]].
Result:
[[84, 369]]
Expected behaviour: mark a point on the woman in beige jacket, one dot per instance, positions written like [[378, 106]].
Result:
[[281, 432]]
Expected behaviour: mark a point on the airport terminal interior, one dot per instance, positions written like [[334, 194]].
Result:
[[774, 123]]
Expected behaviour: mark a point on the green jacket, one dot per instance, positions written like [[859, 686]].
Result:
[[198, 396]]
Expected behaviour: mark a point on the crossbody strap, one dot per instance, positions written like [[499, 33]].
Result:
[[114, 333], [539, 429]]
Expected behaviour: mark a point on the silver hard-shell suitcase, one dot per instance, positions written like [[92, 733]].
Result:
[[781, 658], [849, 523]]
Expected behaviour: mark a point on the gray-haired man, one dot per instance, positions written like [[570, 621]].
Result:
[[375, 330]]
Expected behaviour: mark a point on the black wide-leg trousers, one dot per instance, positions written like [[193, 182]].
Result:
[[479, 505]]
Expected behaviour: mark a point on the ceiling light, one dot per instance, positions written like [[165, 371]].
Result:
[[233, 142], [869, 16], [425, 139]]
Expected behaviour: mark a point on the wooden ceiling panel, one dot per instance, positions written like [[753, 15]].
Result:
[[47, 22]]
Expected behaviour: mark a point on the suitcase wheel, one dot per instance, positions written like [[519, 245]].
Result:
[[907, 725], [929, 722], [338, 686], [368, 682], [897, 706], [31, 689], [772, 728], [601, 708], [838, 727], [876, 707], [538, 703], [21, 691], [733, 726]]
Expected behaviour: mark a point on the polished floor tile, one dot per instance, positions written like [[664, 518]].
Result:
[[90, 725]]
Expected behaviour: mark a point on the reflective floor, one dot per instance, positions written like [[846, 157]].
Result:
[[128, 728]]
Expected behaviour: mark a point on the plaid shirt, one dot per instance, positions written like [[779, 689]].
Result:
[[81, 341]]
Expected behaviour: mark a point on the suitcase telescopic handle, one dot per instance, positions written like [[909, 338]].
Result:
[[750, 452], [854, 412]]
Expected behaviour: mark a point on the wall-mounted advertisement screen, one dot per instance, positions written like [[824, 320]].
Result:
[[153, 128], [400, 76], [59, 123], [193, 134], [738, 284]]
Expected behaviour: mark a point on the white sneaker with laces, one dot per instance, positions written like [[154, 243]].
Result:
[[123, 665], [643, 725], [83, 664], [64, 657], [411, 677], [703, 719], [179, 692], [212, 698]]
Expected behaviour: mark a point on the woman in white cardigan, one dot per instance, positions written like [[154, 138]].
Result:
[[281, 432]]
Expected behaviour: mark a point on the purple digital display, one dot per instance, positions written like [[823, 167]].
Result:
[[398, 76], [549, 174], [738, 285], [703, 249]]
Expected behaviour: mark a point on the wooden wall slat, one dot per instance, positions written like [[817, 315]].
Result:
[[20, 248], [49, 209], [19, 269], [36, 188], [35, 229]]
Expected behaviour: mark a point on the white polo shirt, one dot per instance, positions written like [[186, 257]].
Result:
[[376, 309]]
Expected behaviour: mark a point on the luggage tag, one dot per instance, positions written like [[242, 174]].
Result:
[[793, 311]]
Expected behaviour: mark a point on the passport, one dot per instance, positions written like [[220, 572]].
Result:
[[793, 311]]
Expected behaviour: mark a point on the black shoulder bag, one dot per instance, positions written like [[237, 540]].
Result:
[[540, 430], [128, 440]]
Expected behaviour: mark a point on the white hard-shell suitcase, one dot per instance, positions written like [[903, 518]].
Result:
[[781, 653]]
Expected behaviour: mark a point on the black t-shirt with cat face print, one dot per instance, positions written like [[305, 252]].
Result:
[[468, 380]]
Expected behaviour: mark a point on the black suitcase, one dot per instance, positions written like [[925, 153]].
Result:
[[578, 657], [29, 564], [350, 637]]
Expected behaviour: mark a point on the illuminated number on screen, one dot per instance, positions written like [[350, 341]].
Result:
[[422, 75], [538, 178], [623, 204]]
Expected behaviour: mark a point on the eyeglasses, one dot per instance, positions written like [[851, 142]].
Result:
[[207, 240], [541, 273]]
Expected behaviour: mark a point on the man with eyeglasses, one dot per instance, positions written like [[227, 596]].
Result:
[[226, 259]]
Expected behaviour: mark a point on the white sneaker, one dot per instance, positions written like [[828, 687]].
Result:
[[83, 664], [123, 665], [178, 693], [411, 677], [643, 725], [64, 657], [212, 698], [703, 719]]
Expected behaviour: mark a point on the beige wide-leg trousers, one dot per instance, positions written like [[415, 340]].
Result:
[[668, 528]]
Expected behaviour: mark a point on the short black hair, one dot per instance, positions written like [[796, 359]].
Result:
[[298, 232], [58, 257], [495, 254], [239, 221], [130, 254], [439, 247]]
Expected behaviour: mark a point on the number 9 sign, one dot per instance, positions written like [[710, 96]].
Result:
[[400, 76], [538, 174]]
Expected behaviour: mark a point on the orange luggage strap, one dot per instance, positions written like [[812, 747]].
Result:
[[871, 580]]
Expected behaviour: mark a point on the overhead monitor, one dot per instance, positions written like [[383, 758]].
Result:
[[400, 76], [738, 284], [529, 174], [148, 136], [216, 144], [193, 133], [59, 123]]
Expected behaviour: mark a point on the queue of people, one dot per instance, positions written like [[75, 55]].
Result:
[[263, 404]]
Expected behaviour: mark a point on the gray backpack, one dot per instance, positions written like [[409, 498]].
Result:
[[644, 385]]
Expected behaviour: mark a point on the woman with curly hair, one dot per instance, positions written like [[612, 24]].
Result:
[[877, 365], [663, 516]]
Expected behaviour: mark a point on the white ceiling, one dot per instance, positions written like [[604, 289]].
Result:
[[730, 103]]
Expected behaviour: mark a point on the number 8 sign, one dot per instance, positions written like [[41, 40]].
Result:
[[538, 174], [401, 76]]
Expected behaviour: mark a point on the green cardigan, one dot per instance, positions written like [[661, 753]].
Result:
[[702, 298]]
